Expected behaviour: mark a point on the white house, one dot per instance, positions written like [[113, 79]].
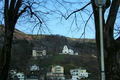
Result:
[[20, 76], [12, 73], [75, 78], [66, 50], [76, 53], [71, 52], [57, 69], [37, 53], [57, 73], [78, 73], [31, 79], [34, 68]]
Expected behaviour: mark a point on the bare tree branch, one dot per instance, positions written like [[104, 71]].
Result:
[[12, 4], [71, 2], [111, 19], [6, 10], [76, 11], [17, 7], [22, 11], [86, 25]]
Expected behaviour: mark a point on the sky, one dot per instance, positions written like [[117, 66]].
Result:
[[50, 13], [73, 27]]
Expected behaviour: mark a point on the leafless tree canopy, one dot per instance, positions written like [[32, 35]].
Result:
[[79, 12]]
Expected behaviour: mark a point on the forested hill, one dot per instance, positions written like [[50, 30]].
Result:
[[23, 44], [52, 43]]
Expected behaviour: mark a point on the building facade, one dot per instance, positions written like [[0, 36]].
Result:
[[66, 50], [34, 68], [20, 76], [57, 73], [38, 53], [78, 73]]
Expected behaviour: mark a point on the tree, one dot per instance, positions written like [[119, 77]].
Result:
[[112, 43], [13, 11]]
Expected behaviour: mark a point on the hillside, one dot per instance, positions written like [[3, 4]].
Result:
[[23, 44], [17, 34]]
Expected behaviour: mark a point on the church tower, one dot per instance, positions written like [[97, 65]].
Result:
[[65, 49]]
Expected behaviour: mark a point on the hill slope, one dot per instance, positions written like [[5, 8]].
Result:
[[23, 44]]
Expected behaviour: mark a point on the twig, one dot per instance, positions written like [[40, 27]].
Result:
[[76, 10]]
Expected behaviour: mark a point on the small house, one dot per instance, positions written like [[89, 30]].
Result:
[[57, 73], [20, 76], [78, 73], [38, 53], [69, 51], [34, 68]]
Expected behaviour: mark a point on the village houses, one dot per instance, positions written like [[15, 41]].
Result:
[[14, 75]]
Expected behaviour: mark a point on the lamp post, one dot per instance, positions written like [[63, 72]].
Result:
[[100, 3]]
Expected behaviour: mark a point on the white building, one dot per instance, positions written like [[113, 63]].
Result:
[[20, 76], [76, 53], [71, 52], [31, 79], [78, 73], [12, 73], [37, 53], [75, 78], [34, 68], [66, 50], [57, 69], [57, 73]]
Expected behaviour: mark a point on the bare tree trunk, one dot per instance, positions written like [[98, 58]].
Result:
[[112, 67], [11, 9], [112, 47], [6, 52]]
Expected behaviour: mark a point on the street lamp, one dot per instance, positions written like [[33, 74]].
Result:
[[100, 3]]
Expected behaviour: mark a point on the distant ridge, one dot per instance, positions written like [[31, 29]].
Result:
[[21, 35], [17, 34]]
